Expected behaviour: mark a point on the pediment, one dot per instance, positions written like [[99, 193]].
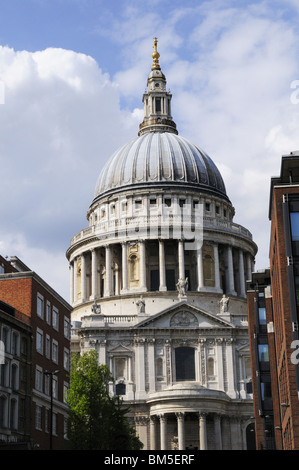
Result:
[[120, 349], [184, 316]]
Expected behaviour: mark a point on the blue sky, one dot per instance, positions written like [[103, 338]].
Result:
[[72, 75]]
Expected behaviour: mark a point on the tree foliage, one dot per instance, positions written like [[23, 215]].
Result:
[[97, 420]]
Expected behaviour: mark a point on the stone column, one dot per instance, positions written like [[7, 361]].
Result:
[[216, 266], [181, 430], [162, 271], [236, 433], [140, 368], [72, 285], [116, 274], [102, 352], [219, 363], [83, 278], [94, 274], [248, 267], [217, 428], [142, 266], [181, 259], [108, 271], [203, 431], [163, 432], [151, 364], [230, 367], [75, 280], [200, 280], [241, 274], [124, 267], [153, 432], [230, 272]]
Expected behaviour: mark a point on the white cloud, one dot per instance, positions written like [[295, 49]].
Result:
[[50, 264], [60, 123]]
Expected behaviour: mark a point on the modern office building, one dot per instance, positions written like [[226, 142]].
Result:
[[158, 287], [41, 309]]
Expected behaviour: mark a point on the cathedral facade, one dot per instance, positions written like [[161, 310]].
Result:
[[158, 287]]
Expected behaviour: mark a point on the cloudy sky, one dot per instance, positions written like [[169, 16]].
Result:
[[72, 75]]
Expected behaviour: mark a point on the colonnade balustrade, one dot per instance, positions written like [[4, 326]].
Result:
[[92, 276]]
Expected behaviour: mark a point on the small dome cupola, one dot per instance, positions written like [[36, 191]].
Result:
[[157, 101]]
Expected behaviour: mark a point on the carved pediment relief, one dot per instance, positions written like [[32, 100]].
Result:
[[184, 316], [183, 319]]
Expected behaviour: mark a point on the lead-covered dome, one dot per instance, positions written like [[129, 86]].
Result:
[[160, 159]]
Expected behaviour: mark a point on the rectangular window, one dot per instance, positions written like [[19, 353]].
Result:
[[55, 386], [39, 341], [66, 360], [158, 105], [47, 384], [263, 352], [47, 347], [294, 218], [184, 364], [38, 417], [48, 312], [55, 318], [66, 327], [15, 344], [40, 305], [39, 380], [55, 351], [65, 392], [54, 424], [262, 316]]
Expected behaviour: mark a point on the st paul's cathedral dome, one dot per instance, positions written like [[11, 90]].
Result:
[[160, 158]]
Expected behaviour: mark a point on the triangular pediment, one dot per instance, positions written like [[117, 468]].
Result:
[[120, 349], [184, 315]]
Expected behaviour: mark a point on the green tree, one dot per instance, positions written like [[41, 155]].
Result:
[[97, 420]]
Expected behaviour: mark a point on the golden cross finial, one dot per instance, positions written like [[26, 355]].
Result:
[[155, 55]]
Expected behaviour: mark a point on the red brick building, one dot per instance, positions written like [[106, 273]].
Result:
[[48, 314], [274, 331]]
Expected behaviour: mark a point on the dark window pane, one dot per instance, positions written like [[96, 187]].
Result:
[[120, 389], [185, 366]]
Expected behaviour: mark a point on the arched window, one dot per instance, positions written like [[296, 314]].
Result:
[[184, 364], [13, 414], [14, 377], [3, 411]]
